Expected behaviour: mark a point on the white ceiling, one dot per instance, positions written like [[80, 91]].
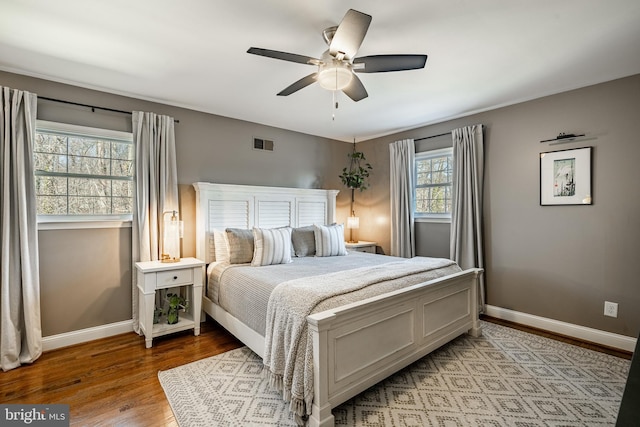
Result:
[[482, 54]]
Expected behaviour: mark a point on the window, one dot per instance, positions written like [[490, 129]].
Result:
[[433, 184], [83, 173]]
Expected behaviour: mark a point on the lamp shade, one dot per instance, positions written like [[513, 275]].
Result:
[[173, 231], [353, 222]]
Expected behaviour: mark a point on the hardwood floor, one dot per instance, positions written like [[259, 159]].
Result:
[[114, 381]]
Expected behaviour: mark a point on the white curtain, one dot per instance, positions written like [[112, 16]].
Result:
[[402, 155], [156, 189], [466, 215], [20, 328]]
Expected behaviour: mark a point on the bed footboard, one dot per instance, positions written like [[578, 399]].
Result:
[[358, 345]]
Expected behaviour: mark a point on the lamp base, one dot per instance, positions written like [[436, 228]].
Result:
[[353, 241], [167, 259]]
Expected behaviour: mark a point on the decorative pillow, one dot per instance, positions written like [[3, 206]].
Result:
[[304, 241], [271, 246], [240, 241], [220, 246], [329, 240]]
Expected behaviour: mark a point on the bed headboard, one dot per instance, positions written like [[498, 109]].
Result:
[[219, 206]]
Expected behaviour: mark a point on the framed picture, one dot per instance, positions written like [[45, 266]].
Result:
[[565, 177]]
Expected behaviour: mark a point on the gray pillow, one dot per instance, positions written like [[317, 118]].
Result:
[[240, 243], [304, 242]]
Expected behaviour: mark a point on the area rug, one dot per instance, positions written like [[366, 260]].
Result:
[[504, 378]]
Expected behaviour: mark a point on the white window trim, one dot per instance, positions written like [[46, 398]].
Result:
[[75, 224], [64, 222], [433, 218], [83, 130]]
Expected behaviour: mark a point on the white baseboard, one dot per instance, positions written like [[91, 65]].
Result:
[[76, 337], [597, 336]]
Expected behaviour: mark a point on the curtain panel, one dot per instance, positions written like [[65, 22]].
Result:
[[402, 155], [156, 189], [466, 217], [20, 326]]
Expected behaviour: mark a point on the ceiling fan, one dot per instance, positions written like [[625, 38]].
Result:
[[337, 65]]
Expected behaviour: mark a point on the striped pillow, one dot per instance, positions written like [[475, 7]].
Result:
[[271, 246], [329, 240]]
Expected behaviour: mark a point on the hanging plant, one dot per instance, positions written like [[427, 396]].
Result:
[[356, 175]]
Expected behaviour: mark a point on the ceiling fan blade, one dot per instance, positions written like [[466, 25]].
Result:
[[300, 84], [386, 63], [291, 57], [350, 34], [355, 90]]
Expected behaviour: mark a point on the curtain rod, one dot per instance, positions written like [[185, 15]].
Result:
[[93, 107], [432, 136], [440, 134]]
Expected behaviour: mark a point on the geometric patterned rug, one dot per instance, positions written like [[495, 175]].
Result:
[[505, 378]]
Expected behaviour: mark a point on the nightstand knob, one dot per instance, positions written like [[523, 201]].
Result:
[[175, 277]]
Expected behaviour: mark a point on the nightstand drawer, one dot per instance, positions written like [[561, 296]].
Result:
[[362, 246], [167, 279]]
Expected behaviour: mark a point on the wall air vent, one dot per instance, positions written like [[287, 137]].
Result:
[[262, 144]]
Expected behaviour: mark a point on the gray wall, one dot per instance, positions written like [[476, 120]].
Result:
[[85, 274], [85, 278], [558, 262]]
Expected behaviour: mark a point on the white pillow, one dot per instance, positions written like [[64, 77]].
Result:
[[329, 240], [221, 246], [271, 246]]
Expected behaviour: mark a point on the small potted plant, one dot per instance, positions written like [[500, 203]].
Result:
[[176, 303], [157, 314]]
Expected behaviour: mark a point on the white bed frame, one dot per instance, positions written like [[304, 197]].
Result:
[[357, 345]]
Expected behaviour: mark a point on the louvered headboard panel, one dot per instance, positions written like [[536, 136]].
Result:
[[220, 206], [274, 213], [312, 212]]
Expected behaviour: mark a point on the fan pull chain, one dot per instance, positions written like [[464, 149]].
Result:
[[335, 106], [335, 101]]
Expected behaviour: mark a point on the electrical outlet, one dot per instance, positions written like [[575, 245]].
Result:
[[611, 309]]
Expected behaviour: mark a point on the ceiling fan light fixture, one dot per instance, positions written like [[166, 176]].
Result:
[[334, 76], [338, 64]]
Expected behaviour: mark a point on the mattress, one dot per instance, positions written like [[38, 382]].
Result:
[[244, 291]]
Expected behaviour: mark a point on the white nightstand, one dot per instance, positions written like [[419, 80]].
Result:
[[362, 246], [153, 275]]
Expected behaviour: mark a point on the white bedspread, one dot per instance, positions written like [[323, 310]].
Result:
[[288, 355]]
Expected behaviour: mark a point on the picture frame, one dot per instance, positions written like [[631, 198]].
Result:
[[565, 177]]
